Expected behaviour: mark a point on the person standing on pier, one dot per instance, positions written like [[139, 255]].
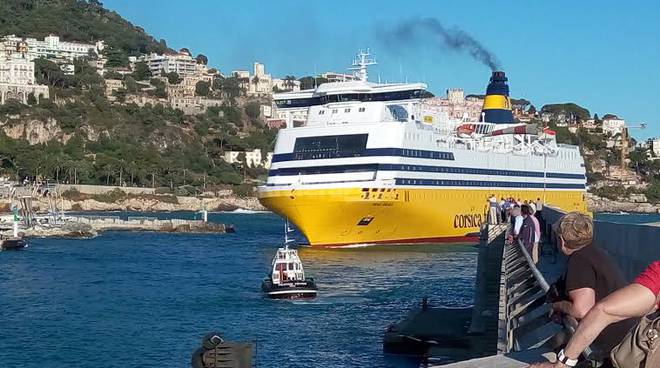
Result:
[[492, 210], [638, 299], [590, 276], [528, 233]]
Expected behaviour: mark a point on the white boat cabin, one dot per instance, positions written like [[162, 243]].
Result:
[[287, 267]]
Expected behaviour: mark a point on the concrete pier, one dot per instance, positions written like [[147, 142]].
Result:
[[524, 332]]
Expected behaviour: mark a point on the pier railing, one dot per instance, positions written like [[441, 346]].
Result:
[[524, 322]]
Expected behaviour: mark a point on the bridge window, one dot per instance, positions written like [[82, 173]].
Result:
[[331, 146]]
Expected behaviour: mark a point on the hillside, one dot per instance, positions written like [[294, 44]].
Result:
[[76, 20], [85, 134]]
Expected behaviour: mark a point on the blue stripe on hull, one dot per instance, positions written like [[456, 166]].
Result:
[[341, 169]]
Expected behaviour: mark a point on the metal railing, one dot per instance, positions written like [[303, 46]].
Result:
[[524, 313]]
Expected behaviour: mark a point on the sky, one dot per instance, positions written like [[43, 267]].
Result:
[[603, 55]]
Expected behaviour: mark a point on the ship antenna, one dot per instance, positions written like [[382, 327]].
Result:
[[360, 64]]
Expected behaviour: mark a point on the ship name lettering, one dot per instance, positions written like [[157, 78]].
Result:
[[467, 220]]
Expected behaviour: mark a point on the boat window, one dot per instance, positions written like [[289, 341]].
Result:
[[361, 109], [399, 113], [331, 146], [347, 110], [321, 112], [334, 111], [290, 266], [383, 96]]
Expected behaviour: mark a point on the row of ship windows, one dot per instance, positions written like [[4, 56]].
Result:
[[347, 110], [487, 184], [471, 194]]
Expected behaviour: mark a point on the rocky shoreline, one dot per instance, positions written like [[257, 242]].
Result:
[[151, 203], [600, 204]]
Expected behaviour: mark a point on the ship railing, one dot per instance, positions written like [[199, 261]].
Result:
[[524, 309]]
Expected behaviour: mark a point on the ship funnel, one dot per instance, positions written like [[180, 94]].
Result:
[[497, 107]]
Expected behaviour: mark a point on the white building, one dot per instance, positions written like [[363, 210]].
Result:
[[259, 83], [181, 63], [52, 48], [252, 158], [337, 77], [287, 85], [613, 126], [456, 106], [655, 147], [17, 79]]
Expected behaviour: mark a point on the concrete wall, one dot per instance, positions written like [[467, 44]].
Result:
[[100, 189], [633, 246]]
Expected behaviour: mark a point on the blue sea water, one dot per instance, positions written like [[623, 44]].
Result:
[[628, 218], [145, 299]]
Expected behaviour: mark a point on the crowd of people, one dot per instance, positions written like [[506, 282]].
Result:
[[523, 218], [592, 290]]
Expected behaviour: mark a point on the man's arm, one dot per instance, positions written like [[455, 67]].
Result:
[[581, 301], [633, 300]]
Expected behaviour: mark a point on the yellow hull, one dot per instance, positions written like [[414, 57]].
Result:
[[378, 215]]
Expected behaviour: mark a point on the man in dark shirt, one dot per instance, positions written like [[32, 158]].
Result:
[[590, 276]]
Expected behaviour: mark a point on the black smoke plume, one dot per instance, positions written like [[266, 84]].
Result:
[[416, 30]]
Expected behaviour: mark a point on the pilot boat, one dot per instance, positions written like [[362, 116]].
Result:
[[287, 278]]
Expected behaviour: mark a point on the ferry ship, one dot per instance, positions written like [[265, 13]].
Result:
[[373, 163]]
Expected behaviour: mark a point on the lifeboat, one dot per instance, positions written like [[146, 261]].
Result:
[[465, 130]]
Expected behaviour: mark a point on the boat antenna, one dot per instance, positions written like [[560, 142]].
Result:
[[360, 64], [287, 230]]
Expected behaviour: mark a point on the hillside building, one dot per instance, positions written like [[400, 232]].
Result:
[[51, 47], [337, 77], [655, 147], [253, 158], [456, 106], [257, 84], [181, 63], [286, 85], [613, 126], [17, 80]]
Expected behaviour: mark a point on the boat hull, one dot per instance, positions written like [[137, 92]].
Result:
[[366, 215], [300, 290]]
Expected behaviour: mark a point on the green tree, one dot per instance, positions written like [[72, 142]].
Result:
[[173, 78], [31, 100], [253, 110], [47, 72], [202, 59], [116, 57], [202, 88], [531, 110], [142, 71]]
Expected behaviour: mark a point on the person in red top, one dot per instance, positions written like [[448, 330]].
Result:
[[635, 300]]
